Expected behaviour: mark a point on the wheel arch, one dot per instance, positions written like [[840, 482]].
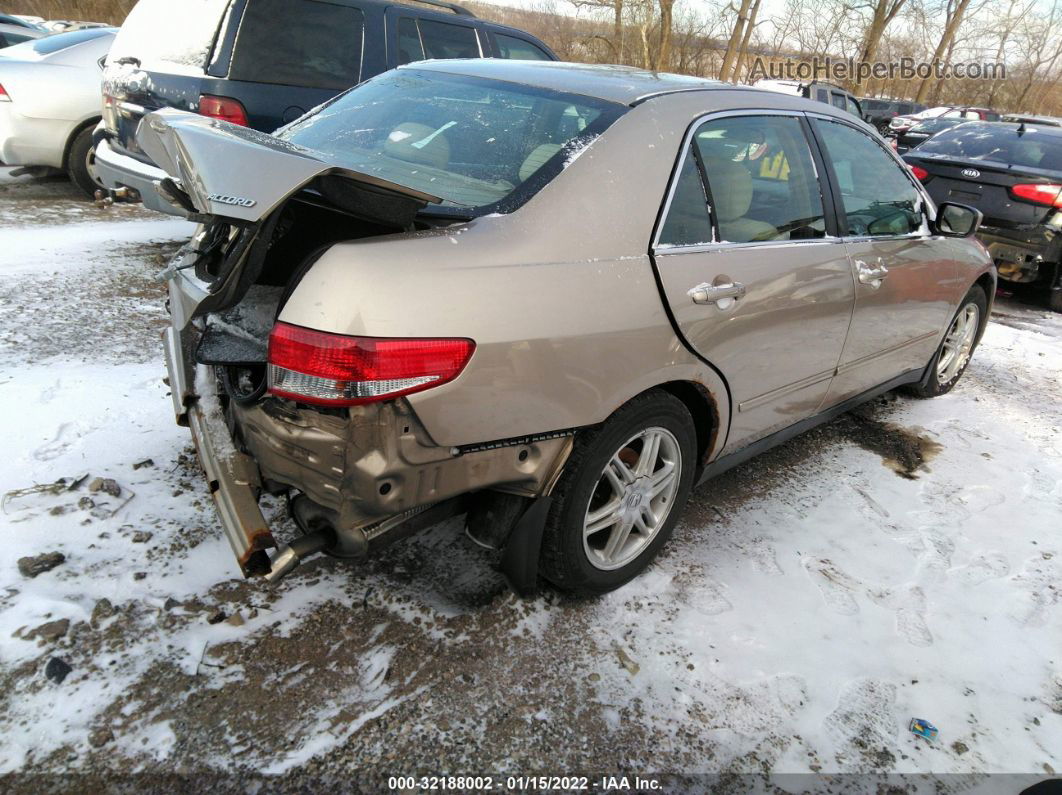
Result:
[[92, 121], [703, 409]]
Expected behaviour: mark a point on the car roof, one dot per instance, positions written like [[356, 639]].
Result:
[[627, 85]]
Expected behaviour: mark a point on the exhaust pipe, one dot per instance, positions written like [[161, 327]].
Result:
[[318, 526], [291, 555]]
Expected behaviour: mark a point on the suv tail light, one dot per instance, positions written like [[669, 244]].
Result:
[[335, 370], [920, 173], [3, 95], [224, 108], [1038, 194]]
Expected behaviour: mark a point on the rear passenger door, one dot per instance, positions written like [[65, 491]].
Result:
[[904, 278], [419, 37], [756, 280]]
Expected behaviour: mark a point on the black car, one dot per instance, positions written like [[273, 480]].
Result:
[[1013, 174], [921, 132], [264, 63], [879, 112]]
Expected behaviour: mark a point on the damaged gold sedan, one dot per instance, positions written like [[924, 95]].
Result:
[[549, 297]]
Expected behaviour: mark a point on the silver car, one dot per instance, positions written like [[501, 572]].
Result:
[[550, 297]]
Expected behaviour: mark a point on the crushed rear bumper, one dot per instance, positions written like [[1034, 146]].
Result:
[[231, 475]]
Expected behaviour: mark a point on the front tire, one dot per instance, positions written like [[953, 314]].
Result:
[[620, 495], [81, 163], [953, 356]]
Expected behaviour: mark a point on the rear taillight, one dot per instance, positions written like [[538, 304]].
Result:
[[224, 108], [335, 370], [110, 113], [1038, 194], [3, 95], [920, 173]]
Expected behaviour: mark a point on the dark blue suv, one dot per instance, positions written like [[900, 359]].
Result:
[[264, 63]]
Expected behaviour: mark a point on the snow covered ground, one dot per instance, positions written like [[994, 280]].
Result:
[[810, 603]]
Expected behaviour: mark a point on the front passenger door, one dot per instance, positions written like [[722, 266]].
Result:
[[756, 281], [904, 286]]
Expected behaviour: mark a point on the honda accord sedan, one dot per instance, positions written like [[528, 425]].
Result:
[[550, 298]]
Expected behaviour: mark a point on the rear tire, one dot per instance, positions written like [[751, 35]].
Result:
[[956, 349], [629, 479], [1054, 300], [80, 163]]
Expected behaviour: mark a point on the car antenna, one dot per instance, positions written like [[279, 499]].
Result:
[[1021, 129]]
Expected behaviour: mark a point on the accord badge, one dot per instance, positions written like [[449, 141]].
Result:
[[236, 201]]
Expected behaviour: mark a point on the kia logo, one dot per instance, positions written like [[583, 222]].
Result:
[[972, 173]]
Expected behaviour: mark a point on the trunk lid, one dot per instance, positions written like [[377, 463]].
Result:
[[260, 201], [239, 173]]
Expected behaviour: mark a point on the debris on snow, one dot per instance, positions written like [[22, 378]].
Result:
[[32, 566]]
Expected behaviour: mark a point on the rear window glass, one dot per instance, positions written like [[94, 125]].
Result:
[[178, 32], [470, 141], [318, 45], [997, 143], [518, 49], [60, 41], [443, 40]]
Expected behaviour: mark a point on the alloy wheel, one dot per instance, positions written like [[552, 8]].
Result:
[[958, 344], [632, 499]]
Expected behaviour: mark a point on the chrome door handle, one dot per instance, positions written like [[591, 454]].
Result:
[[714, 293], [871, 276]]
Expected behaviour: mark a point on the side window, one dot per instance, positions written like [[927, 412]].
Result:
[[852, 107], [409, 46], [687, 221], [953, 114], [822, 95], [443, 40], [837, 100], [761, 179], [518, 49], [878, 197], [318, 46]]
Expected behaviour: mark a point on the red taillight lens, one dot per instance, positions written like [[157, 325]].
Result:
[[224, 108], [1038, 194], [335, 370], [920, 173], [3, 95]]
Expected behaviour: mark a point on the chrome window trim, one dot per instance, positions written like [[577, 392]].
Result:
[[926, 231], [666, 250], [717, 245]]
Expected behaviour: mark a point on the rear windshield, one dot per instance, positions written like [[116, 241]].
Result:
[[318, 45], [998, 143], [475, 143], [176, 32]]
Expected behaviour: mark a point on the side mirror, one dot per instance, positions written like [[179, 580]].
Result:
[[956, 220]]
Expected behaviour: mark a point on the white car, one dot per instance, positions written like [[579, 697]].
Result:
[[50, 102]]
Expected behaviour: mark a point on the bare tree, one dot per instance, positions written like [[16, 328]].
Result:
[[663, 61], [734, 44], [954, 11], [882, 13]]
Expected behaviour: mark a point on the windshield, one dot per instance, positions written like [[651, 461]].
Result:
[[473, 142], [999, 143]]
